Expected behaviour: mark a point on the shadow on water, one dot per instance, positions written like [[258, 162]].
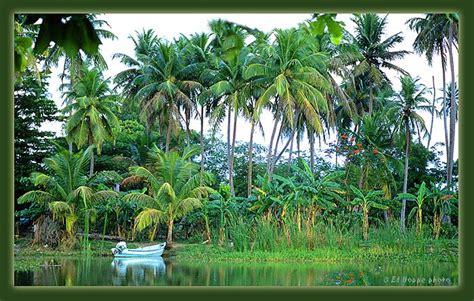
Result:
[[89, 271]]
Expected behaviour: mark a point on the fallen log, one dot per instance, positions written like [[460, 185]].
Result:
[[97, 236]]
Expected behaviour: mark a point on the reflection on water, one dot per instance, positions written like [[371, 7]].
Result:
[[158, 272], [137, 271]]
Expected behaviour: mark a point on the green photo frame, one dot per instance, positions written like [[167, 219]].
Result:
[[465, 289]]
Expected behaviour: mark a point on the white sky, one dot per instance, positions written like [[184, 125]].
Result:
[[170, 26]]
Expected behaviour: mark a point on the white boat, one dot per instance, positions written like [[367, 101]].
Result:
[[122, 251]]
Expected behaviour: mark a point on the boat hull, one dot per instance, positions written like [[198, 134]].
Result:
[[150, 251]]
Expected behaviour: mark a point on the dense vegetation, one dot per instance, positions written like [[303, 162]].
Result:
[[131, 166]]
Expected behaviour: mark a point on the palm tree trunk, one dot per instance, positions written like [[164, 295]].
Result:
[[405, 177], [298, 148], [371, 101], [270, 148], [445, 118], [432, 113], [311, 151], [168, 133], [453, 109], [291, 152], [231, 175], [250, 164], [201, 140], [283, 150], [188, 132], [275, 151], [91, 166], [169, 236], [229, 118]]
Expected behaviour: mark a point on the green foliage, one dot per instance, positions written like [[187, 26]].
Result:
[[32, 145], [72, 32]]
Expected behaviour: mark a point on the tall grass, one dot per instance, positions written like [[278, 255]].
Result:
[[331, 240]]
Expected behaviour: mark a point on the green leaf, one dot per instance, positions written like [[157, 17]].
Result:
[[406, 196]]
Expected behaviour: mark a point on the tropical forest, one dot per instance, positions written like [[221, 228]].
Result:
[[297, 156]]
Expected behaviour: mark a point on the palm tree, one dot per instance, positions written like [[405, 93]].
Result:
[[408, 101], [91, 102], [436, 35], [295, 77], [376, 53], [229, 89], [164, 89], [74, 62], [63, 192], [173, 189], [200, 68]]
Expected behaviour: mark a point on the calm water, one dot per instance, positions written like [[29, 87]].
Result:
[[158, 272]]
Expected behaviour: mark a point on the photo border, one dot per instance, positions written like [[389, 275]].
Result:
[[8, 292]]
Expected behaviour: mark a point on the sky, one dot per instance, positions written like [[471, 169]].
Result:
[[171, 26]]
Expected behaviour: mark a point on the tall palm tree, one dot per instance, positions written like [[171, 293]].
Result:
[[295, 77], [229, 89], [164, 90], [145, 44], [91, 103], [436, 35], [201, 57], [408, 101], [73, 63], [173, 189], [63, 191], [376, 53]]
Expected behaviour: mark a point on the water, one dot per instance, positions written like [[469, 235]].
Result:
[[106, 271]]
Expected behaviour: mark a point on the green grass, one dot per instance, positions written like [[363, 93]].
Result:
[[264, 241]]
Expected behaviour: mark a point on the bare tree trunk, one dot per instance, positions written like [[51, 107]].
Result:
[[231, 175], [250, 163], [432, 113], [453, 108], [405, 177]]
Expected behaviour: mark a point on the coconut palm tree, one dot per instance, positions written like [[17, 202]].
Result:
[[91, 103], [63, 192], [437, 34], [201, 68], [376, 53], [174, 189], [294, 73], [404, 112], [145, 44], [164, 89]]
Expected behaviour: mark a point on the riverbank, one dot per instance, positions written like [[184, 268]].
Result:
[[30, 257]]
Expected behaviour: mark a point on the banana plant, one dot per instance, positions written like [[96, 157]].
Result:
[[367, 201], [419, 198], [443, 201]]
